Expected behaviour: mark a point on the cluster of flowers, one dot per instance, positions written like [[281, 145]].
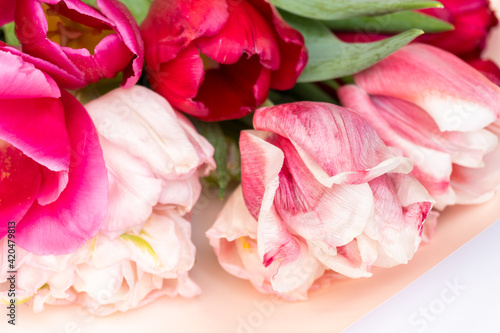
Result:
[[102, 193]]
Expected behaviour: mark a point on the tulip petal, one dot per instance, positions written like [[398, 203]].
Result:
[[245, 31], [396, 128], [79, 212], [20, 179], [7, 13], [401, 207], [431, 150], [170, 237], [290, 43], [171, 26], [328, 217], [133, 188], [22, 80], [179, 79], [348, 260], [61, 76], [127, 29], [456, 96], [261, 163], [477, 185], [53, 183], [38, 129], [360, 153], [181, 193], [245, 85], [146, 124], [111, 56]]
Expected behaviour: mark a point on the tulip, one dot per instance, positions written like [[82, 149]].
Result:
[[201, 51], [86, 43], [472, 19], [441, 119], [319, 191], [52, 173], [154, 157], [7, 12], [104, 275]]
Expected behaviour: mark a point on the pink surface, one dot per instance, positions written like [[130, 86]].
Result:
[[228, 304]]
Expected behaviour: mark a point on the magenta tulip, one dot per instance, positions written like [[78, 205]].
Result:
[[85, 42], [52, 173]]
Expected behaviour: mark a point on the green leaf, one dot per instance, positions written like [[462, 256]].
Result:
[[10, 36], [142, 245], [391, 23], [311, 92], [138, 8], [214, 134], [331, 58], [341, 9]]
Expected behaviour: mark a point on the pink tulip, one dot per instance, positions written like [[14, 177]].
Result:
[[200, 51], [438, 111], [86, 43], [52, 173], [154, 157], [320, 191]]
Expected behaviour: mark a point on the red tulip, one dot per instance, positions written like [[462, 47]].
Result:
[[218, 59], [84, 42], [7, 12], [472, 19]]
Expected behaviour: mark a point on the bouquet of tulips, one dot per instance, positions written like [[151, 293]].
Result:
[[340, 126]]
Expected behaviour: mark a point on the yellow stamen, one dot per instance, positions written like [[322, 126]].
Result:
[[66, 32]]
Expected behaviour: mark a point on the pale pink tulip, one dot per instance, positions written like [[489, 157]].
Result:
[[105, 276], [153, 154], [438, 111], [320, 191]]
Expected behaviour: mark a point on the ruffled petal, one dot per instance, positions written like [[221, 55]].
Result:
[[327, 217], [245, 86], [456, 96], [172, 25], [179, 80], [133, 191], [360, 153], [290, 43], [261, 162], [126, 27], [245, 31], [144, 123], [401, 207]]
